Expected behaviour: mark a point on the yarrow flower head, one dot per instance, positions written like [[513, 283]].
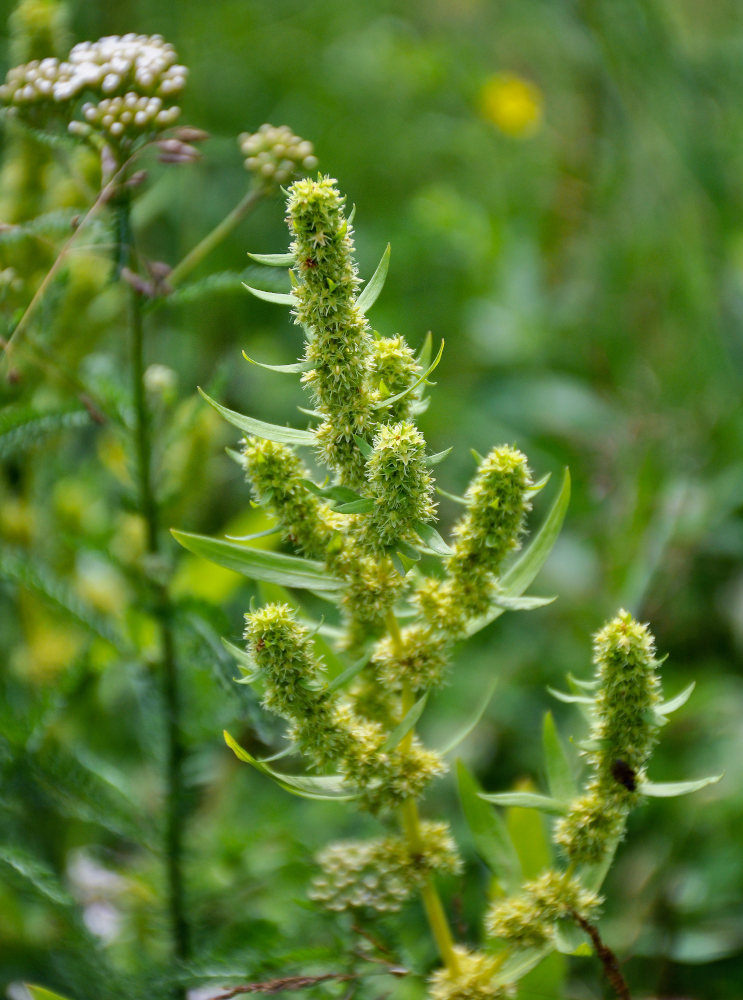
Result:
[[133, 82], [275, 155]]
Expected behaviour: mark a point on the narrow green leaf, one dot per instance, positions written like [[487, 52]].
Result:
[[306, 786], [525, 800], [260, 564], [451, 496], [560, 780], [669, 789], [42, 993], [364, 505], [422, 378], [364, 447], [517, 966], [376, 283], [242, 656], [298, 366], [570, 699], [428, 534], [489, 833], [22, 428], [439, 456], [341, 494], [405, 549], [592, 876], [423, 358], [278, 298], [469, 726], [479, 459], [673, 703], [508, 603], [273, 259], [256, 534], [570, 939], [577, 684], [258, 428], [405, 725], [236, 456], [347, 675]]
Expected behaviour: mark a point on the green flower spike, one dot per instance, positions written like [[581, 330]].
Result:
[[473, 979]]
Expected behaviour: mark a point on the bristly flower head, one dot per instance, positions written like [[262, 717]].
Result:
[[528, 919], [472, 981], [275, 155], [622, 736]]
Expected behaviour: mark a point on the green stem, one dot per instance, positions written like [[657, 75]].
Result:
[[411, 825], [194, 257], [161, 603]]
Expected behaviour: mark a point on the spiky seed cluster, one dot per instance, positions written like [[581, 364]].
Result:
[[622, 736], [135, 78], [340, 344], [282, 649], [400, 485], [373, 585], [419, 659], [498, 500], [382, 873], [395, 369], [275, 155], [278, 475], [473, 980], [528, 919]]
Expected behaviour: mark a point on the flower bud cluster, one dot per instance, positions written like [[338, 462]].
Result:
[[400, 485], [528, 919], [383, 873], [135, 79], [278, 475], [275, 155], [373, 585], [340, 344], [498, 500], [395, 368], [418, 659], [622, 737], [473, 979]]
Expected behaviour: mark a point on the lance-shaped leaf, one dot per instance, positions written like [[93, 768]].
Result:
[[669, 789], [522, 572], [376, 283], [526, 800], [570, 939], [341, 494], [491, 838], [306, 786], [673, 703], [259, 564], [278, 298], [517, 965], [570, 699], [41, 993], [469, 726], [439, 456], [347, 675], [560, 780], [451, 496], [508, 603], [407, 723], [242, 656], [295, 368], [430, 536], [364, 447], [259, 428], [266, 533], [401, 395], [364, 505], [273, 259]]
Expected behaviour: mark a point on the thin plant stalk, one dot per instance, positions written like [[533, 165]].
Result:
[[160, 601]]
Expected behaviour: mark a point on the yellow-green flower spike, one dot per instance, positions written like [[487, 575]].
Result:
[[473, 979], [528, 919]]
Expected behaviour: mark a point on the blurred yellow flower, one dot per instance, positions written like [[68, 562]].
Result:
[[512, 104]]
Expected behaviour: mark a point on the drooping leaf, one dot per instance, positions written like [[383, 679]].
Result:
[[405, 725], [341, 494], [451, 496], [278, 298], [23, 867], [259, 428], [471, 725], [273, 259], [266, 533], [489, 833], [422, 378], [669, 789], [370, 294], [560, 780], [306, 786], [526, 800], [259, 564], [439, 456], [430, 536], [42, 993], [508, 603], [295, 368], [570, 699], [242, 656]]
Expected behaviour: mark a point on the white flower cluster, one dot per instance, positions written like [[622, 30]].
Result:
[[136, 76], [275, 154]]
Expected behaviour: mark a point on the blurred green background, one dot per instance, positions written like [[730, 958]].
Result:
[[562, 186]]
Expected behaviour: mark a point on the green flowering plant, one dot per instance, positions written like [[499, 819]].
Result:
[[367, 544]]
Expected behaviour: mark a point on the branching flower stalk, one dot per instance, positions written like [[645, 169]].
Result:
[[362, 539]]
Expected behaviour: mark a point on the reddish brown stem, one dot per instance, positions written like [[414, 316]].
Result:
[[607, 958]]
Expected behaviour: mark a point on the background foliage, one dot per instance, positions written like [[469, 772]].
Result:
[[561, 186]]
